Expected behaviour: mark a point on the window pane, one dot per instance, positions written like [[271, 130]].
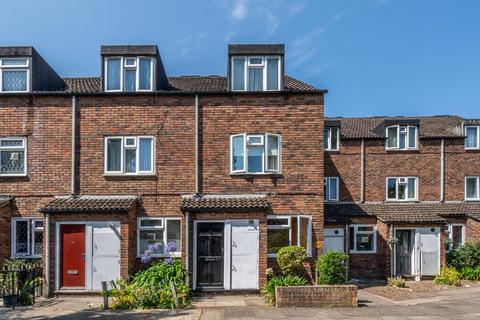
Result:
[[333, 183], [457, 236], [277, 239], [130, 160], [411, 188], [402, 188], [174, 233], [392, 188], [272, 74], [403, 138], [130, 78], [146, 154], [151, 223], [145, 74], [277, 222], [14, 62], [273, 153], [352, 239], [37, 242], [11, 143], [239, 74], [21, 236], [255, 61], [472, 191], [392, 137], [412, 137], [113, 74], [255, 79], [255, 159], [114, 151], [334, 139], [365, 229], [14, 80], [325, 189], [238, 153], [304, 231], [364, 242], [151, 237], [326, 139], [472, 138], [12, 162]]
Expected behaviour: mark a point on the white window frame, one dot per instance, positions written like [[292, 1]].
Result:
[[263, 66], [30, 238], [122, 156], [397, 182], [16, 148], [165, 254], [329, 138], [326, 181], [450, 234], [477, 198], [25, 67], [355, 232], [407, 137], [264, 146], [478, 138], [287, 226], [124, 67]]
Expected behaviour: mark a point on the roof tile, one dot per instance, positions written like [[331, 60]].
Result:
[[75, 204], [224, 202]]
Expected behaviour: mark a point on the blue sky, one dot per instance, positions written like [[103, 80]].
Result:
[[377, 57]]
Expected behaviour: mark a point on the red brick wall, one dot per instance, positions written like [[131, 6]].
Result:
[[473, 230], [5, 233]]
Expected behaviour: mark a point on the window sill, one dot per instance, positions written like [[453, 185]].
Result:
[[13, 175], [256, 175], [162, 256], [402, 201], [362, 252], [26, 257], [402, 150], [472, 200], [129, 176]]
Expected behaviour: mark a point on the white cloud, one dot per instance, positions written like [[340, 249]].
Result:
[[297, 7], [240, 10], [338, 16]]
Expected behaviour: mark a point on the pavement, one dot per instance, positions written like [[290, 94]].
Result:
[[450, 304]]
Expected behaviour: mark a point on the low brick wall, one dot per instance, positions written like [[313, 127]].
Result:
[[317, 296]]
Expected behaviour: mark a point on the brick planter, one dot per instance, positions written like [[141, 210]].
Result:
[[317, 296]]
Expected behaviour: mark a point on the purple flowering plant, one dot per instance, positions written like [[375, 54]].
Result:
[[152, 248]]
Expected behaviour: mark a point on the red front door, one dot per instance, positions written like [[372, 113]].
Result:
[[73, 255]]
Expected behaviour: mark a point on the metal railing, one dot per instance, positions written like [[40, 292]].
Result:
[[21, 284]]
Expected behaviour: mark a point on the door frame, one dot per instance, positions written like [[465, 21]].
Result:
[[225, 245], [413, 255], [88, 249]]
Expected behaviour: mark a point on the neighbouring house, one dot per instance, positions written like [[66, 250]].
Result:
[[397, 187], [95, 170]]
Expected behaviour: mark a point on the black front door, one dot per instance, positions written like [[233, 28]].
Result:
[[210, 254], [404, 252]]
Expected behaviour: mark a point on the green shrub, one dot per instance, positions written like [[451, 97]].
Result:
[[449, 276], [281, 281], [466, 256], [470, 273], [290, 260], [331, 267], [397, 282]]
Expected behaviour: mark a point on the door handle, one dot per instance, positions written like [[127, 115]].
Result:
[[83, 257], [234, 244], [234, 269]]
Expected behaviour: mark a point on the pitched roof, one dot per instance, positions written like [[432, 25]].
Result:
[[374, 127], [189, 84], [73, 204], [224, 202], [421, 212]]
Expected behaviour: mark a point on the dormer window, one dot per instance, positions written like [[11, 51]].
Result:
[[128, 74], [402, 137], [14, 75], [472, 139], [256, 73]]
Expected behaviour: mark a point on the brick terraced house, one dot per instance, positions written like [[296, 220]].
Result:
[[95, 170], [397, 187]]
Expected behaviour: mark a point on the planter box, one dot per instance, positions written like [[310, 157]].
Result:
[[317, 296]]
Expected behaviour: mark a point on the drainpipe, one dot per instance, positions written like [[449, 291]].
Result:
[[362, 172], [442, 171], [346, 246], [74, 138], [47, 255], [392, 253]]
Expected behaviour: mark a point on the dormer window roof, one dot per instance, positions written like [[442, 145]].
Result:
[[256, 67]]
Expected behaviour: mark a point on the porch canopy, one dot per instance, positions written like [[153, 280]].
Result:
[[91, 204], [426, 212], [5, 200], [224, 202]]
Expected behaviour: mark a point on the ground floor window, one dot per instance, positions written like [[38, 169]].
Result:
[[363, 238], [284, 231], [156, 233], [27, 237], [456, 234]]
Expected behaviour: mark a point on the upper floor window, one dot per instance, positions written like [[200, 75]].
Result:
[[128, 74], [256, 153], [402, 188], [14, 75], [256, 73], [472, 188], [331, 138], [27, 237], [330, 188], [129, 155], [13, 160], [402, 137], [472, 139]]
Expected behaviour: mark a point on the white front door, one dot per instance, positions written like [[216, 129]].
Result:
[[334, 239], [428, 249], [105, 253], [244, 253]]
